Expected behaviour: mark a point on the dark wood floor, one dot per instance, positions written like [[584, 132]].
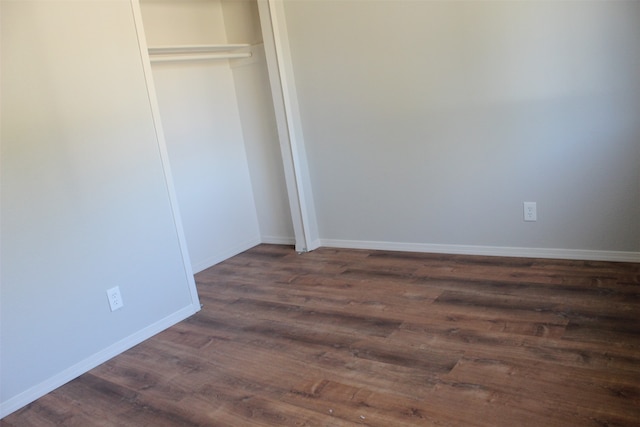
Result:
[[346, 337]]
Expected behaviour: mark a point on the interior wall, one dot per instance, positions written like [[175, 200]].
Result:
[[182, 22], [242, 21], [200, 118], [84, 201], [260, 135], [431, 122], [257, 117]]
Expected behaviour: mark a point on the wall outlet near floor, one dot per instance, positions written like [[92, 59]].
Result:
[[115, 299], [530, 211]]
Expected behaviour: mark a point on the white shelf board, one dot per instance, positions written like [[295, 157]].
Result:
[[201, 48]]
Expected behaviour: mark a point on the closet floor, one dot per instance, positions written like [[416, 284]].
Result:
[[340, 337]]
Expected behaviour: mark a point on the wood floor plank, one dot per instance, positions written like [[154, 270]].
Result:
[[341, 337], [606, 395]]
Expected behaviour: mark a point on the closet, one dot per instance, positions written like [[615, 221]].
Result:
[[212, 85]]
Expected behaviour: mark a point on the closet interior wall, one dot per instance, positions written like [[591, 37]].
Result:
[[211, 81]]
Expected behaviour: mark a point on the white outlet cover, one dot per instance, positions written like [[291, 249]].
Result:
[[115, 299], [530, 211]]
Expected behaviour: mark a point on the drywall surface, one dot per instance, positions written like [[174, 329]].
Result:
[[263, 149], [200, 118], [242, 21], [183, 22], [259, 129], [199, 113], [433, 121], [85, 204]]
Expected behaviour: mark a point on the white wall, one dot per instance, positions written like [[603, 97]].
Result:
[[262, 148], [199, 114], [220, 129], [85, 205], [258, 120], [430, 122]]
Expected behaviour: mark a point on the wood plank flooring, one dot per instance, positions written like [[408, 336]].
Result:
[[351, 337]]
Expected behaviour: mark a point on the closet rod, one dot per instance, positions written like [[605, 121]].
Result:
[[203, 57]]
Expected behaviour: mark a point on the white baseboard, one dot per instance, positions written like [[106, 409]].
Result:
[[315, 244], [576, 254], [310, 246], [91, 362], [219, 257], [275, 240]]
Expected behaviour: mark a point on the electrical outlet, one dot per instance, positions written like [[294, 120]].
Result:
[[530, 211], [115, 299]]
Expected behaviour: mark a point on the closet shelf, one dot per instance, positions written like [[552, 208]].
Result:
[[198, 52]]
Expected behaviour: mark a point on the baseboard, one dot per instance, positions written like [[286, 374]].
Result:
[[315, 244], [575, 254], [275, 240], [219, 257], [91, 362]]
